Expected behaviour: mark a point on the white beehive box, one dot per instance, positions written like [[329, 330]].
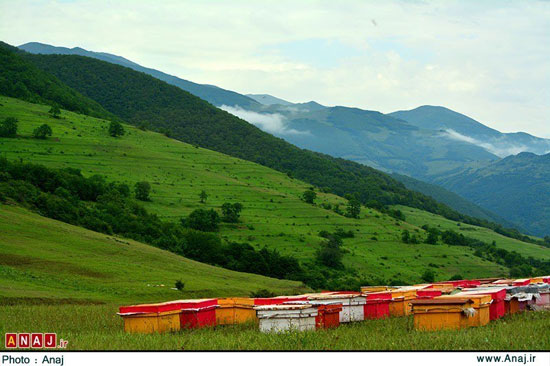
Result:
[[281, 318], [353, 306]]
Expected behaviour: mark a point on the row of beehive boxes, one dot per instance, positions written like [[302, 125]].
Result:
[[323, 310]]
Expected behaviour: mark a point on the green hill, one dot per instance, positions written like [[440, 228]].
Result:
[[274, 214], [21, 79], [48, 261], [144, 100], [211, 93]]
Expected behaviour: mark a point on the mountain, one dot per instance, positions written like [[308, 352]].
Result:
[[267, 99], [144, 100], [517, 187], [459, 127], [212, 94], [21, 79], [451, 199], [368, 137]]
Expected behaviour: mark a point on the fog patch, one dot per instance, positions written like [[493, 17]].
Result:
[[501, 150], [273, 123]]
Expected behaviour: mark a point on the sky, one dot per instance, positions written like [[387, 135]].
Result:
[[487, 59]]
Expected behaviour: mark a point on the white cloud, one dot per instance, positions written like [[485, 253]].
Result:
[[273, 123], [501, 149], [489, 60]]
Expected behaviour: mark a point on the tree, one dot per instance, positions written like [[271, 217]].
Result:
[[405, 236], [309, 196], [433, 236], [231, 212], [42, 132], [456, 277], [354, 207], [8, 127], [330, 254], [142, 190], [116, 129], [54, 111], [202, 220], [203, 196], [428, 276], [179, 285]]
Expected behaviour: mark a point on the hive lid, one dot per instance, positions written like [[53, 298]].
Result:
[[446, 301], [332, 296], [283, 307]]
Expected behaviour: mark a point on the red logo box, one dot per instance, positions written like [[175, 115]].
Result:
[[50, 340], [24, 340], [37, 340], [11, 340]]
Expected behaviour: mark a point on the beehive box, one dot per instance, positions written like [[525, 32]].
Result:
[[401, 299], [480, 303], [367, 289], [286, 317], [196, 313], [441, 313], [353, 306], [377, 305], [497, 309], [148, 323], [235, 310]]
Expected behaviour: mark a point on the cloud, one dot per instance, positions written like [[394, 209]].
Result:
[[501, 149], [273, 123], [487, 59]]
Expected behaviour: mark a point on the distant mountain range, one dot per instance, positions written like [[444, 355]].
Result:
[[210, 93], [430, 143]]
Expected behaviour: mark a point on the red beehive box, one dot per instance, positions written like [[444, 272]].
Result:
[[194, 313], [497, 309], [377, 305], [521, 282], [428, 294], [278, 300], [328, 315]]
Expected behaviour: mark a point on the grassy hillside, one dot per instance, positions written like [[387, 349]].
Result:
[[274, 214], [49, 261], [144, 100], [419, 218]]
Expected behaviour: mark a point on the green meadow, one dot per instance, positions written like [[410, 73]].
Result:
[[274, 214]]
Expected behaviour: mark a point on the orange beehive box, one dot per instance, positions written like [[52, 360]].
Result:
[[480, 303], [147, 323], [235, 310], [401, 299], [511, 305], [441, 313]]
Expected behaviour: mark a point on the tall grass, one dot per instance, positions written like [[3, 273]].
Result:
[[97, 327]]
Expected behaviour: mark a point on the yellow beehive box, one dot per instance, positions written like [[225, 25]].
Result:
[[368, 289], [168, 321], [235, 310], [401, 300], [537, 280], [437, 314], [480, 303]]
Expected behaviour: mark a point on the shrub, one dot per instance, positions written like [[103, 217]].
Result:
[[8, 127], [142, 190], [116, 129], [203, 220], [42, 132], [179, 285]]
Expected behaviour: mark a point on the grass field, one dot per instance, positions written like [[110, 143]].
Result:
[[92, 327], [43, 260], [273, 215]]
